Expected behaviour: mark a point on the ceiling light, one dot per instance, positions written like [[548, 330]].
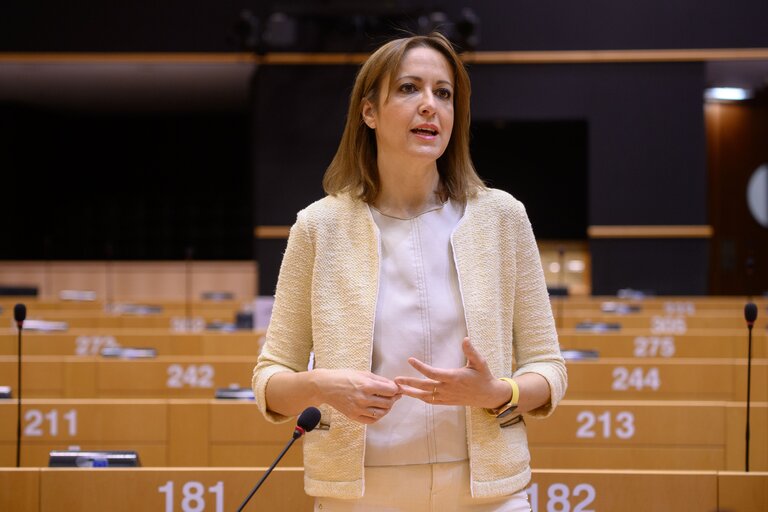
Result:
[[727, 94]]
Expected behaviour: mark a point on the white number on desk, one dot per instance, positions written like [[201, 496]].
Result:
[[624, 425], [679, 308], [36, 422], [92, 345], [668, 325], [654, 346], [558, 497], [193, 376], [624, 379], [193, 496]]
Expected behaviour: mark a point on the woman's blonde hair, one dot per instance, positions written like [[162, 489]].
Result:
[[354, 168]]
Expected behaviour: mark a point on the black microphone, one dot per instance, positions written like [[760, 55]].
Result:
[[750, 315], [307, 422], [19, 314]]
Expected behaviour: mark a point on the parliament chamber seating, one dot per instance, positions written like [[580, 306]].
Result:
[[223, 489], [655, 410]]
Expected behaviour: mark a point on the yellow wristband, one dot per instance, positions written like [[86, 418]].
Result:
[[512, 401]]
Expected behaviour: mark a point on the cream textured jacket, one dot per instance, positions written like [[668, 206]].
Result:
[[326, 300]]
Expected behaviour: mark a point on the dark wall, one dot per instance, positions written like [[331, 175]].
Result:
[[122, 185], [645, 152], [644, 122], [181, 25]]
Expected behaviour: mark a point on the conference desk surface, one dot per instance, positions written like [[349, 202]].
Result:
[[199, 377], [98, 376], [224, 489], [641, 343], [89, 342], [630, 434], [660, 323]]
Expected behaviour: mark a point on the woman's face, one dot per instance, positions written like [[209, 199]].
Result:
[[414, 116]]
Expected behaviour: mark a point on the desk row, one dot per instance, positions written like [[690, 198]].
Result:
[[687, 305], [656, 323], [200, 377], [84, 342], [581, 434], [640, 343], [207, 490]]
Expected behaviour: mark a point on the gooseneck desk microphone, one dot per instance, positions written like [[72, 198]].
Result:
[[19, 315], [750, 315], [307, 421]]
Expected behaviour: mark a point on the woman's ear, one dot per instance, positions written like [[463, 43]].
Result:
[[368, 117]]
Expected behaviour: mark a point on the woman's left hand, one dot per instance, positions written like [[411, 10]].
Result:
[[473, 385]]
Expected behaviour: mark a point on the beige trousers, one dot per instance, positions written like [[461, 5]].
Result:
[[442, 487]]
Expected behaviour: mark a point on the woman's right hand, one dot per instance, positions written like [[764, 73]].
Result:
[[361, 396]]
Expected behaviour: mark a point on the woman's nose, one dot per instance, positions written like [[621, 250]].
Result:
[[427, 106]]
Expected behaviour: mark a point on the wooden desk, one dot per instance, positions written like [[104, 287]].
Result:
[[724, 344], [662, 323], [666, 379], [217, 490], [95, 376], [165, 432], [663, 304], [742, 491], [660, 435], [652, 435], [87, 342]]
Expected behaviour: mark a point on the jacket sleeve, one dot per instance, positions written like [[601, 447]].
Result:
[[289, 336], [536, 347]]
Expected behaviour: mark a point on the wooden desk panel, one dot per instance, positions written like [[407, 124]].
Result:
[[220, 489], [646, 458], [89, 342], [736, 421], [625, 491], [95, 376], [650, 435], [165, 432], [180, 376], [55, 376], [86, 424], [188, 432], [561, 490], [666, 379], [240, 436], [625, 344], [667, 304], [19, 489], [660, 323], [129, 490], [628, 423], [742, 491]]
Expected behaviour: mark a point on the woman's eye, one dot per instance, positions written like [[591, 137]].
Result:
[[443, 94], [408, 88]]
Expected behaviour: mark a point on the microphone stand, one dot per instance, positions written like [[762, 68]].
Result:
[[266, 474], [18, 401], [188, 289], [307, 421], [561, 279], [749, 380]]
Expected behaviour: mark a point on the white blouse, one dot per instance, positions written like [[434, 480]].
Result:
[[419, 313]]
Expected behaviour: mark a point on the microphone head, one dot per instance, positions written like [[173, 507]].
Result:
[[750, 313], [19, 313], [309, 419]]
